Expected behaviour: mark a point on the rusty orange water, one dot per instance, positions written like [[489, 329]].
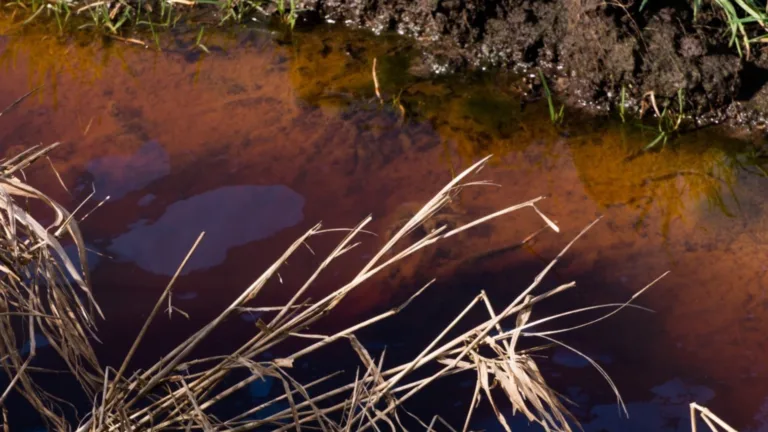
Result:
[[270, 134]]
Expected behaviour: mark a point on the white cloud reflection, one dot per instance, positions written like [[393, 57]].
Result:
[[230, 216]]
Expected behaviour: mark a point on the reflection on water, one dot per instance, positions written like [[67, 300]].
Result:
[[567, 358], [145, 200], [230, 216], [273, 133], [761, 418], [667, 411], [616, 172], [116, 175]]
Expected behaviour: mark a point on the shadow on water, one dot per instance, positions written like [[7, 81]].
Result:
[[272, 133]]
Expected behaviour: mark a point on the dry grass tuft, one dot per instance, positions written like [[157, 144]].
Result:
[[181, 392], [41, 290]]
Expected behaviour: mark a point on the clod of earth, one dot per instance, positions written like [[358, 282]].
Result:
[[593, 48]]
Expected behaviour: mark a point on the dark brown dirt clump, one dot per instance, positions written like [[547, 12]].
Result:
[[590, 49]]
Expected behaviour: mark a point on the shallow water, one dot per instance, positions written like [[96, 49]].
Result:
[[273, 133]]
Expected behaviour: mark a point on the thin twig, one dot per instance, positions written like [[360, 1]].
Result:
[[19, 100]]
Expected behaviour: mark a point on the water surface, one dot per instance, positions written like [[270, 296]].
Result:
[[272, 133]]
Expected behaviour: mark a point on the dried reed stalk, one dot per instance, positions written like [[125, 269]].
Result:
[[41, 291], [181, 392], [376, 82], [714, 423]]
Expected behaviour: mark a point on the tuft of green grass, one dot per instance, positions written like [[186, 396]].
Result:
[[235, 10], [622, 105], [738, 14], [554, 115], [61, 7], [669, 123], [198, 40], [155, 35], [289, 15]]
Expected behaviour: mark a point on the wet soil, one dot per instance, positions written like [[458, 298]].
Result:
[[590, 49]]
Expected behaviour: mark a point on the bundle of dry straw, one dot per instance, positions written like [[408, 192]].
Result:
[[182, 392], [41, 291]]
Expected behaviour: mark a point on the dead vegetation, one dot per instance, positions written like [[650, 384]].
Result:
[[41, 291], [713, 422], [180, 392]]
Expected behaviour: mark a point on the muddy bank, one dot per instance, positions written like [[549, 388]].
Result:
[[590, 49], [602, 56]]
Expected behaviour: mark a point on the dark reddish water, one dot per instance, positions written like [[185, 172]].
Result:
[[270, 134]]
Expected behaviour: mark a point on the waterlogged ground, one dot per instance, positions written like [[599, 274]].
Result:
[[271, 133]]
